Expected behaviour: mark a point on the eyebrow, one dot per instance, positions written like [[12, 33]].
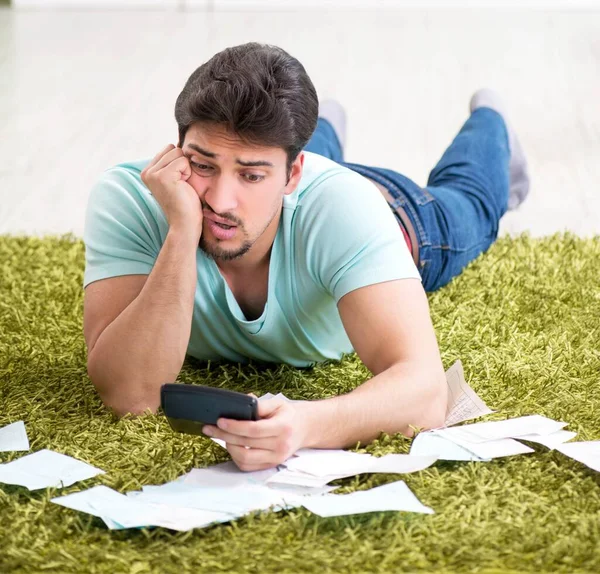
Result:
[[258, 163]]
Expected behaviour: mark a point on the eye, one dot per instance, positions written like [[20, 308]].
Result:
[[253, 177], [200, 167]]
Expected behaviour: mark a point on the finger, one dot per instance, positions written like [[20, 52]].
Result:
[[269, 407], [251, 458], [158, 156], [264, 428], [182, 165], [238, 440], [172, 155], [179, 169]]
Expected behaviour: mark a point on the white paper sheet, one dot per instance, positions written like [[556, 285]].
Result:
[[225, 475], [400, 463], [487, 450], [103, 501], [297, 478], [119, 511], [431, 444], [351, 463], [297, 490], [510, 428], [13, 437], [176, 508], [235, 501], [46, 468], [499, 448], [330, 462], [268, 396], [319, 451], [315, 471], [463, 402], [551, 440], [184, 519], [585, 452], [395, 496]]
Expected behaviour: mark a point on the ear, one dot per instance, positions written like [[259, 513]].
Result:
[[295, 174]]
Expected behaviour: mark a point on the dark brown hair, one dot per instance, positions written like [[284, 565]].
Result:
[[257, 91]]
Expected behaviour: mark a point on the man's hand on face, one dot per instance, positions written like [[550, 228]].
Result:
[[166, 177], [278, 434]]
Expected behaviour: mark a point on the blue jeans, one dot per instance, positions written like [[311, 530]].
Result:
[[456, 216]]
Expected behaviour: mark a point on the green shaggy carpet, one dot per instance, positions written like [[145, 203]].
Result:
[[524, 321]]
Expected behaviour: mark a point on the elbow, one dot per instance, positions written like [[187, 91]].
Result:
[[123, 397], [434, 411], [129, 405], [439, 403]]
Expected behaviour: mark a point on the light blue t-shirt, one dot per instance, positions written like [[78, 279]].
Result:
[[336, 234]]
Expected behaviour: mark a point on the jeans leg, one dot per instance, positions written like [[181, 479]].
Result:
[[470, 186], [325, 142]]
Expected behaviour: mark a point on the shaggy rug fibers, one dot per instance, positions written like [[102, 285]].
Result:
[[524, 321]]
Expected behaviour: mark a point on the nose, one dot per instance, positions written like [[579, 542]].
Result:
[[220, 194]]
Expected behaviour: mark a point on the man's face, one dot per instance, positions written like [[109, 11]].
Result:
[[241, 188]]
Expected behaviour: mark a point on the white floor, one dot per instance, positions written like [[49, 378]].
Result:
[[81, 91]]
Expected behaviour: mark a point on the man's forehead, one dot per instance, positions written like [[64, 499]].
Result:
[[217, 141]]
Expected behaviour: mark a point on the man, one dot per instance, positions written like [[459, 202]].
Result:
[[243, 243]]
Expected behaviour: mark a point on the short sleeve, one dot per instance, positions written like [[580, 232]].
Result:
[[122, 232], [352, 237]]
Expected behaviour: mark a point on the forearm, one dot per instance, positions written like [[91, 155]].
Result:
[[145, 345], [393, 401]]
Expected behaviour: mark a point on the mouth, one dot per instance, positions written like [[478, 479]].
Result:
[[219, 230], [224, 223]]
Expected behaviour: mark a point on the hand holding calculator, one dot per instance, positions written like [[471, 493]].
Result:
[[189, 407]]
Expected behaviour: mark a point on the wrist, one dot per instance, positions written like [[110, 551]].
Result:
[[185, 233], [316, 418]]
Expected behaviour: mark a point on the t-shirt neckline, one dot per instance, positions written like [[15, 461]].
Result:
[[254, 326]]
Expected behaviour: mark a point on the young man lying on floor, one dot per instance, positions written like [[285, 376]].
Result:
[[252, 239]]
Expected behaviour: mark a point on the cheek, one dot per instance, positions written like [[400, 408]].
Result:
[[199, 184], [258, 207]]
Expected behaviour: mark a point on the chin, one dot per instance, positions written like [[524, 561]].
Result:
[[215, 251]]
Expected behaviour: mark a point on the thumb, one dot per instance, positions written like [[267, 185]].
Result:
[[269, 407], [184, 169]]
